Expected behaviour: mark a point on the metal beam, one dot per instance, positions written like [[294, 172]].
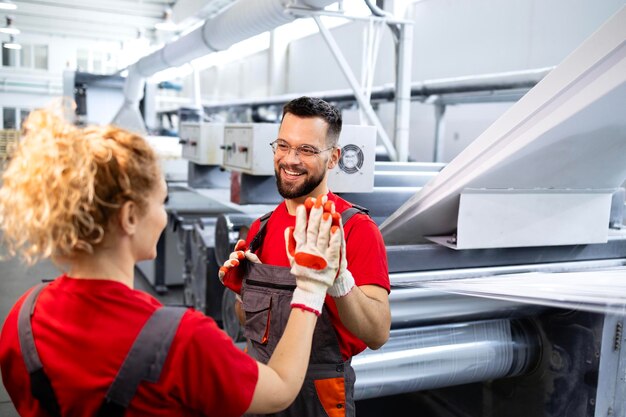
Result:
[[137, 8], [363, 103], [79, 13]]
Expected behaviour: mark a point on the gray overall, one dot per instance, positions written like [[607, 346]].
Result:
[[144, 361], [266, 294]]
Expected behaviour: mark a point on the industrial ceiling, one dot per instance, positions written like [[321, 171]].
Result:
[[107, 20]]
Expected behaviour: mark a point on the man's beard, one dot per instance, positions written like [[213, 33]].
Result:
[[290, 191]]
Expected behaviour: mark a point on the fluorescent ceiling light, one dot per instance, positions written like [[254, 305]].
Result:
[[167, 24], [7, 5], [9, 29], [12, 45]]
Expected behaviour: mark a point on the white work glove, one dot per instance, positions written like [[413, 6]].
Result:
[[230, 274], [345, 281], [313, 248]]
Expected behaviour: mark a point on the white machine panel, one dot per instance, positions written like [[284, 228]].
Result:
[[355, 171], [247, 147], [202, 142]]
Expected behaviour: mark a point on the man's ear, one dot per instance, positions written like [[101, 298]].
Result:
[[334, 158], [128, 217]]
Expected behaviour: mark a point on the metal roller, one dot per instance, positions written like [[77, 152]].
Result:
[[202, 289], [413, 307], [230, 322], [413, 304], [440, 356], [432, 258], [228, 229]]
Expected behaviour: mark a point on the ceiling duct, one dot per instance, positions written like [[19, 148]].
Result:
[[244, 19]]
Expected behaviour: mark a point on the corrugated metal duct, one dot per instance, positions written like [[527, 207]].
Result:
[[244, 19]]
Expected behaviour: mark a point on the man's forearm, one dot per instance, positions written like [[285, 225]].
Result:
[[365, 312]]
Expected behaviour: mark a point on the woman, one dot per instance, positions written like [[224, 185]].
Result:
[[92, 200]]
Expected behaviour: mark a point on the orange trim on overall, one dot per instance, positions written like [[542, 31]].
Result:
[[267, 325], [332, 395]]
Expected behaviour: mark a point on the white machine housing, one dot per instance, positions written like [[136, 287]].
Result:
[[355, 171], [247, 147], [202, 142], [247, 150]]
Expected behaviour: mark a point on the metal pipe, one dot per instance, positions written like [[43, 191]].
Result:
[[440, 111], [402, 179], [404, 51], [498, 81], [376, 11], [415, 307], [386, 166], [441, 356], [420, 90], [242, 20]]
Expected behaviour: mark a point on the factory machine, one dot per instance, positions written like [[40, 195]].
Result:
[[193, 207], [508, 268], [184, 205], [186, 250], [506, 264]]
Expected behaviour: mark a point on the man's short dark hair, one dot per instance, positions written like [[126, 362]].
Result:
[[316, 107]]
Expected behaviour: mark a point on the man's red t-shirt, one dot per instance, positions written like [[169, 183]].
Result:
[[365, 250], [83, 329]]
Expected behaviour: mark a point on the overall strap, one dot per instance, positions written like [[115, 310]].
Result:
[[348, 213], [257, 241], [40, 385], [144, 361]]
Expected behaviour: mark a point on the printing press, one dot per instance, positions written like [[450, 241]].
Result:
[[507, 268], [537, 197]]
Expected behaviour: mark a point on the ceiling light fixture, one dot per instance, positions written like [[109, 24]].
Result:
[[12, 44], [167, 24], [7, 5], [9, 29]]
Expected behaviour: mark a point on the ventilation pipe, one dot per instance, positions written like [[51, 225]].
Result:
[[244, 19]]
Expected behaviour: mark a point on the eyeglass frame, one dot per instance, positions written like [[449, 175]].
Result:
[[295, 148]]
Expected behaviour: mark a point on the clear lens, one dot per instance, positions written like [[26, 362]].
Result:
[[282, 147]]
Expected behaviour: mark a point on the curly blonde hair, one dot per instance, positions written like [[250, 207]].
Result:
[[64, 184]]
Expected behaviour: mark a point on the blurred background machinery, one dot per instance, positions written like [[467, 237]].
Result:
[[486, 138]]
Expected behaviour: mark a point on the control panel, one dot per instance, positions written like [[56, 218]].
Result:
[[202, 142], [247, 147], [355, 171]]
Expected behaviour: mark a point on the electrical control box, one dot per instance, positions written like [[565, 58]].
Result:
[[355, 171], [247, 147], [202, 142]]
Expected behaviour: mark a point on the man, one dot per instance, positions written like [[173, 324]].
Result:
[[356, 312]]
